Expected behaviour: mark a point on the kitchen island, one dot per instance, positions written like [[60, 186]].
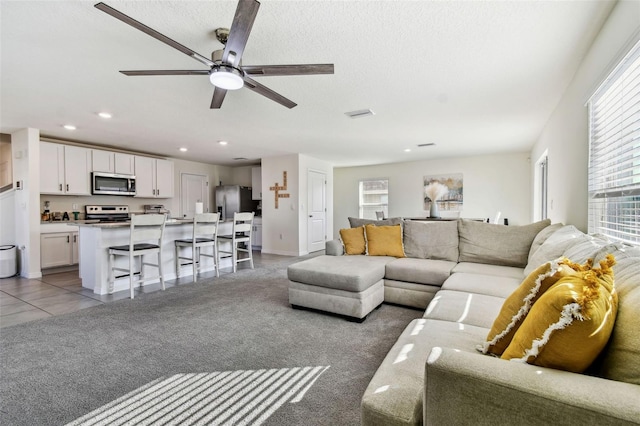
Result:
[[96, 238]]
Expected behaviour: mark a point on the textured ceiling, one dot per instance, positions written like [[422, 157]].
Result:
[[475, 77]]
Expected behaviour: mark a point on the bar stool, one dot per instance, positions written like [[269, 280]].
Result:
[[146, 227], [205, 230], [240, 233]]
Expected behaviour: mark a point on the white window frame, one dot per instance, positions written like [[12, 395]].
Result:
[[384, 207], [541, 187], [614, 152]]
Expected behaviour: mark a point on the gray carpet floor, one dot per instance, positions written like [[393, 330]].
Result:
[[59, 369]]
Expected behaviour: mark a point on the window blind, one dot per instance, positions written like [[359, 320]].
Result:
[[374, 197], [614, 153]]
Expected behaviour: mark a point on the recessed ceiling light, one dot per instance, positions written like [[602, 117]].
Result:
[[183, 149], [104, 115], [69, 127], [407, 150], [223, 142]]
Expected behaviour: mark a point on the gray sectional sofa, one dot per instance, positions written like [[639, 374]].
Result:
[[460, 273]]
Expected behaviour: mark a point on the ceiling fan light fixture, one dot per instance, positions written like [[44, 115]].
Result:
[[226, 77]]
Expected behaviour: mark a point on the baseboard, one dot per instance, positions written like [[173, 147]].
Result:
[[280, 252]]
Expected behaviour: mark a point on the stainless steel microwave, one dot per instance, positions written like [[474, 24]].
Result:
[[112, 184]]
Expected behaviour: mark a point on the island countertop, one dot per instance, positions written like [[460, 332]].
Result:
[[96, 238]]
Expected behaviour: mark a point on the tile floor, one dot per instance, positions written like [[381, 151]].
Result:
[[23, 300]]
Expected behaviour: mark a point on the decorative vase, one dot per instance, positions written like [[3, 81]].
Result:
[[433, 210]]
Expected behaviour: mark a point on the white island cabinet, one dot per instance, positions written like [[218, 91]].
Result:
[[96, 238]]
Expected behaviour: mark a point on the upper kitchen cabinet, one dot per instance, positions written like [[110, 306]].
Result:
[[64, 169], [256, 183], [154, 177], [112, 162]]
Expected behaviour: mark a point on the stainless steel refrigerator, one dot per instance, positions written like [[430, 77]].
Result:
[[231, 199]]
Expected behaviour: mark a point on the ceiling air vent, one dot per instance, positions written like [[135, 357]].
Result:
[[422, 145], [240, 158], [359, 113]]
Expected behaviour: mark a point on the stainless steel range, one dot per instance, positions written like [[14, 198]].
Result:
[[107, 213]]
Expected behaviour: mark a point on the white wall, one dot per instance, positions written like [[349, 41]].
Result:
[[492, 183], [566, 135], [7, 217], [284, 230], [241, 175], [280, 232], [25, 145]]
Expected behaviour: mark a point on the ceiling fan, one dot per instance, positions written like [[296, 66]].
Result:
[[226, 71]]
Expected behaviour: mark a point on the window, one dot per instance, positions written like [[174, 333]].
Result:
[[373, 197], [614, 153]]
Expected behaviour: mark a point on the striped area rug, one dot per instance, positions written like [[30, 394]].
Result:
[[242, 397]]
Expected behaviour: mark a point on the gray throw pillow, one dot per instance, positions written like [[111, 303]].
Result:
[[497, 244], [431, 240], [355, 222]]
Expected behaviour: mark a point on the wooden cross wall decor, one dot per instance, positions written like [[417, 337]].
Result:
[[277, 188]]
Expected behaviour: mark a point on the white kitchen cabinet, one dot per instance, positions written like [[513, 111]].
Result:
[[256, 233], [111, 162], [256, 183], [64, 169], [154, 177], [124, 163], [102, 161], [58, 249]]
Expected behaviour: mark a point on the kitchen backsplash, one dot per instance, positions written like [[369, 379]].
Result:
[[64, 203]]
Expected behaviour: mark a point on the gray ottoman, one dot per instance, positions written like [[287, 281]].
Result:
[[346, 285]]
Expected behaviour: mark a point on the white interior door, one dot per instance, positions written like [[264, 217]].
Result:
[[317, 220], [194, 189]]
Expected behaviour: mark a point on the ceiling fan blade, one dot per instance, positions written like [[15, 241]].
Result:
[[274, 70], [153, 33], [240, 30], [265, 91], [166, 72], [218, 97]]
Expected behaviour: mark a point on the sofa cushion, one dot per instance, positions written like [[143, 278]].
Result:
[[543, 236], [571, 322], [517, 305], [554, 246], [354, 222], [349, 273], [497, 244], [485, 269], [587, 247], [465, 308], [353, 240], [431, 240], [395, 394], [490, 285], [621, 358], [422, 271], [384, 240]]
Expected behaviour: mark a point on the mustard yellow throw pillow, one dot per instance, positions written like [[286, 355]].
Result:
[[517, 305], [384, 240], [353, 240], [570, 323]]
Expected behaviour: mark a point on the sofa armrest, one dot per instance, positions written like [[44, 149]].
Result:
[[469, 388], [334, 248]]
